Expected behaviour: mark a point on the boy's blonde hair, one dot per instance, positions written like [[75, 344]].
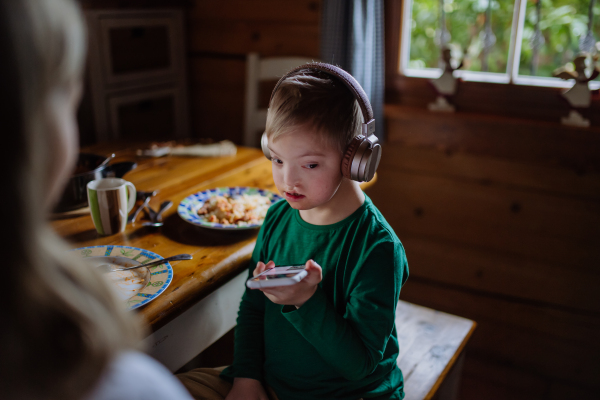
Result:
[[61, 322], [316, 100]]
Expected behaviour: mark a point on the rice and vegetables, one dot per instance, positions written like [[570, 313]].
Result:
[[242, 209]]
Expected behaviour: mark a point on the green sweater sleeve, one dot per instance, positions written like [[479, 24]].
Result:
[[354, 343]]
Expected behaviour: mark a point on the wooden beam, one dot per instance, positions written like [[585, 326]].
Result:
[[492, 171], [513, 138], [540, 227]]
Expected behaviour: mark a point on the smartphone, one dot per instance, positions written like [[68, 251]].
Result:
[[278, 276]]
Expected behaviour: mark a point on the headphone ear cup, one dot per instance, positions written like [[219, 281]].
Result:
[[349, 156], [264, 141], [371, 166]]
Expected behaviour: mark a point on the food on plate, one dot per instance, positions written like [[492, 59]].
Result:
[[242, 209]]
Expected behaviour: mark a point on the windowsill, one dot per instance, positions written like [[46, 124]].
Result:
[[490, 77], [535, 103]]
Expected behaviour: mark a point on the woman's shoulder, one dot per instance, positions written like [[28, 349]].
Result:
[[134, 375]]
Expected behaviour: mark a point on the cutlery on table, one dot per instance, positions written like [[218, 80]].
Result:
[[142, 194], [133, 216], [148, 196], [152, 224], [104, 268], [106, 161], [156, 217]]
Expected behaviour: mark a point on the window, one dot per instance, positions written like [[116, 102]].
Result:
[[501, 41]]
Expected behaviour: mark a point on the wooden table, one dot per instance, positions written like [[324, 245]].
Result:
[[220, 258]]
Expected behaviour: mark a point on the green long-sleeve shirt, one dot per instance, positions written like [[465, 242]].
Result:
[[342, 343]]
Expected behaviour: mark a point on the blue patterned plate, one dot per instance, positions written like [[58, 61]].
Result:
[[136, 287], [188, 208]]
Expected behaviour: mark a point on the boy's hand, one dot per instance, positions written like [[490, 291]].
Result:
[[247, 389], [294, 295]]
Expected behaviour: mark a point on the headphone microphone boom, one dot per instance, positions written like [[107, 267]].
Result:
[[363, 154]]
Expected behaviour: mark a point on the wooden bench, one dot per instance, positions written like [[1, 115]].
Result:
[[431, 351]]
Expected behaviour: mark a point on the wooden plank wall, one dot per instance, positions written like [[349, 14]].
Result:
[[500, 218], [221, 34]]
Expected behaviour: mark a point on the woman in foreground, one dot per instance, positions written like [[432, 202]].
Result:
[[63, 334]]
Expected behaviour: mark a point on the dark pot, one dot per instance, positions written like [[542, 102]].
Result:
[[89, 167]]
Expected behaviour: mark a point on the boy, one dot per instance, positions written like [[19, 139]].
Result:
[[332, 335]]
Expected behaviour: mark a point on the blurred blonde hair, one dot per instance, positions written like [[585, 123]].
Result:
[[318, 101], [61, 323]]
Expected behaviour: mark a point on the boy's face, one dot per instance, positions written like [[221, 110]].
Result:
[[306, 169]]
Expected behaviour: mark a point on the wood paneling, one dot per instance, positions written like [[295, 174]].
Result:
[[279, 11], [500, 172], [483, 380], [500, 218], [517, 139], [220, 36], [502, 274], [131, 4], [550, 229], [233, 37], [217, 97]]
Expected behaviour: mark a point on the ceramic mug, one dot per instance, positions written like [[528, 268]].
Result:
[[110, 200]]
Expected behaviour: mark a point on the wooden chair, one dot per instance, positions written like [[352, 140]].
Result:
[[257, 70], [431, 351]]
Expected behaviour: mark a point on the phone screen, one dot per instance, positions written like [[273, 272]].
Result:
[[279, 272]]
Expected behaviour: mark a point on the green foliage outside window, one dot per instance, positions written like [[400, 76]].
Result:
[[562, 23]]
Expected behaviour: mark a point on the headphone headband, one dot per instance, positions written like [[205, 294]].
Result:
[[368, 127]]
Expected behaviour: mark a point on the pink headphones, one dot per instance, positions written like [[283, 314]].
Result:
[[362, 155]]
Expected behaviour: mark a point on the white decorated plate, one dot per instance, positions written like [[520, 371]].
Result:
[[138, 286], [188, 208]]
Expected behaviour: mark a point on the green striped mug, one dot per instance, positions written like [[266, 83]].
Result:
[[110, 200]]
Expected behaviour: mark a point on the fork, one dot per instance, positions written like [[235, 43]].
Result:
[[156, 216], [148, 196], [104, 268]]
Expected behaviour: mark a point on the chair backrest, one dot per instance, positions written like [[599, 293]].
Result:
[[257, 70]]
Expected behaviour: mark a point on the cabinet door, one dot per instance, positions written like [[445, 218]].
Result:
[[136, 70], [148, 115], [138, 49]]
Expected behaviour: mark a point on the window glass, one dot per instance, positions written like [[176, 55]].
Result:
[[478, 31], [562, 24]]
